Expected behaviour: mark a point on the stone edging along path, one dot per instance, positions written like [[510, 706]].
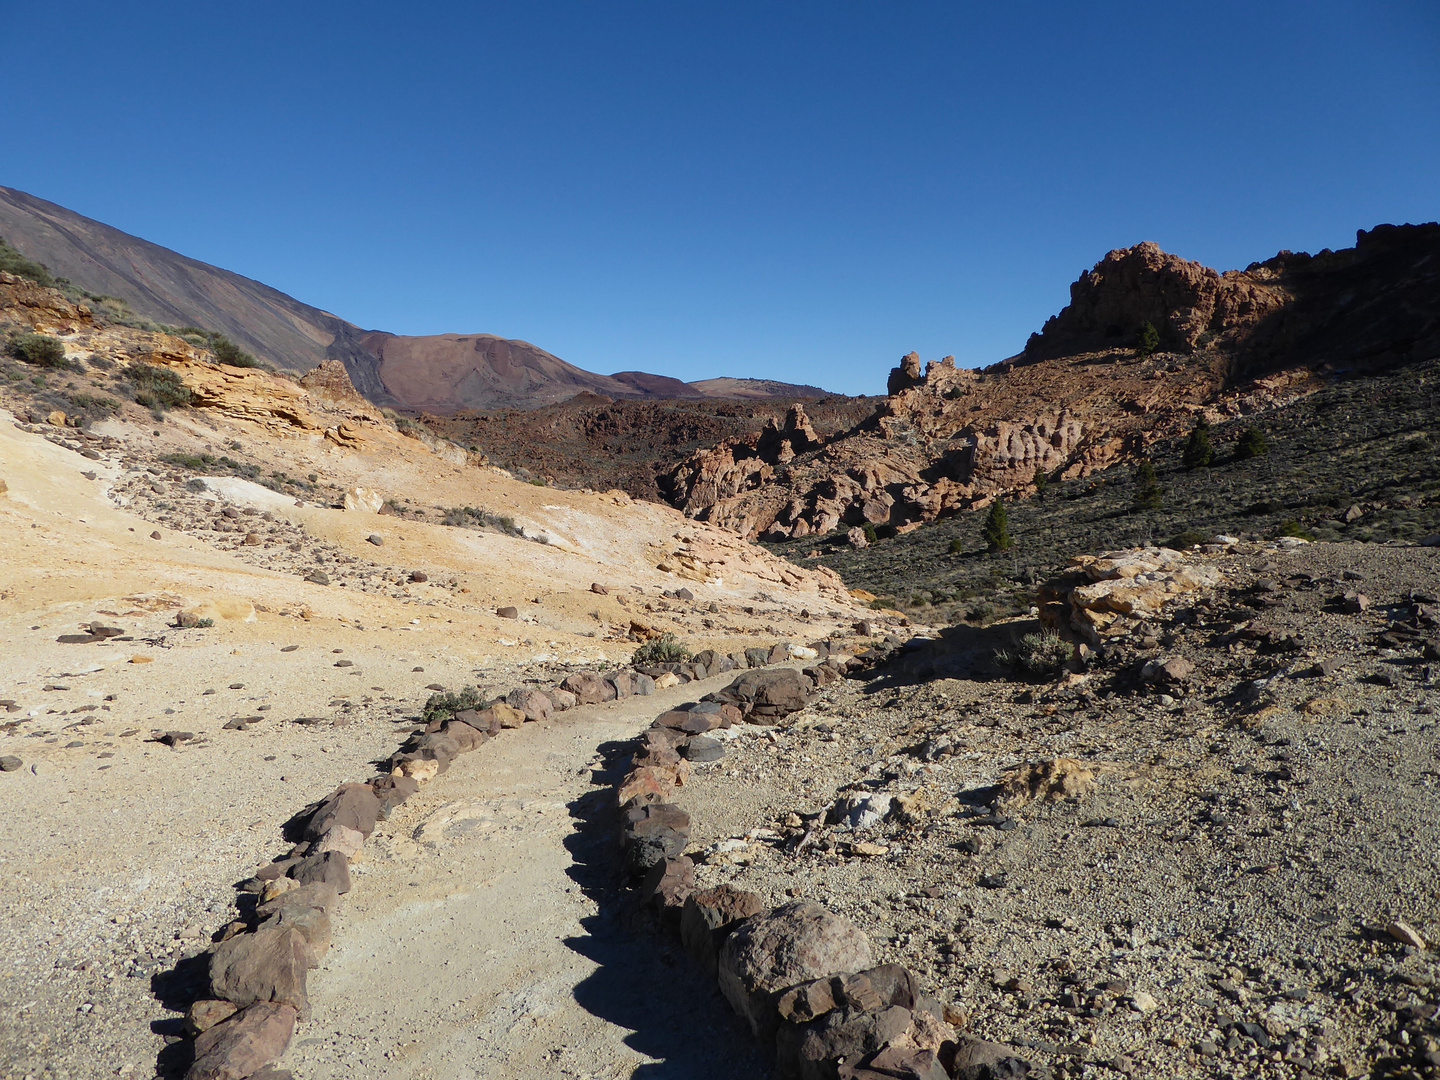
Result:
[[243, 1006], [801, 976]]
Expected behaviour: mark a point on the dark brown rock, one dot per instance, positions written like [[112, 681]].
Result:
[[534, 704], [979, 1060], [241, 1046], [710, 916], [767, 696], [482, 720], [268, 965], [847, 1035], [391, 791], [588, 688], [329, 868], [508, 612], [895, 1063], [352, 805], [667, 885], [204, 1014]]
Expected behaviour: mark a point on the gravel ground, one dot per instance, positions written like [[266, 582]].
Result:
[[1214, 898]]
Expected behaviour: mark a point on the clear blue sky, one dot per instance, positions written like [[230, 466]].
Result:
[[794, 190]]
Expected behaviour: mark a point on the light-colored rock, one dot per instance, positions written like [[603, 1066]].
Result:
[[340, 838], [1406, 934], [364, 500]]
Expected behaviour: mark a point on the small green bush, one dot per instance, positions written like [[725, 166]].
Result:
[[957, 546], [468, 517], [1187, 539], [1147, 340], [997, 527], [1252, 444], [1294, 528], [159, 386], [12, 262], [227, 352], [1198, 452], [665, 649], [42, 350], [1040, 655], [1041, 480], [444, 706], [871, 536]]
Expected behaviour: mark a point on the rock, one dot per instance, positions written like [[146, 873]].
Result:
[[770, 953], [1056, 778], [703, 749], [155, 534], [598, 589], [418, 769], [1143, 1002], [318, 894], [354, 806], [667, 885], [56, 418], [376, 539], [10, 763], [1354, 603], [465, 736], [588, 688], [318, 577], [327, 867], [692, 721], [253, 539], [709, 917], [1433, 540], [364, 500], [340, 841], [863, 811], [846, 1035], [631, 683], [534, 705], [303, 910], [508, 716], [243, 1045], [204, 1014], [419, 577], [666, 681], [895, 1063], [905, 376], [856, 539], [508, 612], [979, 1060], [1406, 934], [562, 699], [1175, 669], [483, 721], [651, 783], [654, 833], [765, 697], [267, 965], [391, 791]]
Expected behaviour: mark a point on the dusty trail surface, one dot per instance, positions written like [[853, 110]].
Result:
[[474, 944]]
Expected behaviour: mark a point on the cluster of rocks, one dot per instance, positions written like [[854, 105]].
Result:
[[258, 967], [802, 977]]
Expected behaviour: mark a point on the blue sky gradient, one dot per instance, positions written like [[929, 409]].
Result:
[[801, 191]]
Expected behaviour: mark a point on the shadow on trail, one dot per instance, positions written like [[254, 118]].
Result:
[[645, 981], [956, 652]]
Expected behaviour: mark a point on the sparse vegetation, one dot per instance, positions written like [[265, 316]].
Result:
[[469, 517], [1187, 539], [997, 527], [444, 706], [41, 350], [1294, 528], [957, 546], [1039, 655], [157, 387], [1149, 495], [12, 262], [665, 649]]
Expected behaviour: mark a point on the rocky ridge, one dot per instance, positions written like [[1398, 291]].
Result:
[[1081, 398]]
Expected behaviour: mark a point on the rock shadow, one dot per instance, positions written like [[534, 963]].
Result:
[[645, 982]]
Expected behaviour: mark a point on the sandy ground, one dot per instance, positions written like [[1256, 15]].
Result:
[[122, 851]]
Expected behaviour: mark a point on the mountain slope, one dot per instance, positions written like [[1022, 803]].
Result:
[[440, 373]]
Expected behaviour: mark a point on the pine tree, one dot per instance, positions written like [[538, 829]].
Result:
[[997, 527], [1198, 451], [1149, 339], [1041, 481], [1147, 487], [1252, 444]]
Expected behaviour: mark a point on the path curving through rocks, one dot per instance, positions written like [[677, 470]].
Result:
[[477, 943]]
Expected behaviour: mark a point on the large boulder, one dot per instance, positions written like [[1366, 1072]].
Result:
[[534, 704], [766, 697], [268, 965], [654, 832], [588, 688], [354, 806], [243, 1045], [768, 954], [330, 868]]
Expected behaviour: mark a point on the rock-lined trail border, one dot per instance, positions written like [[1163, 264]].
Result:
[[802, 977], [243, 997]]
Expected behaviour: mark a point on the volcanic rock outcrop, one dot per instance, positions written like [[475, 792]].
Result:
[[1082, 397]]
